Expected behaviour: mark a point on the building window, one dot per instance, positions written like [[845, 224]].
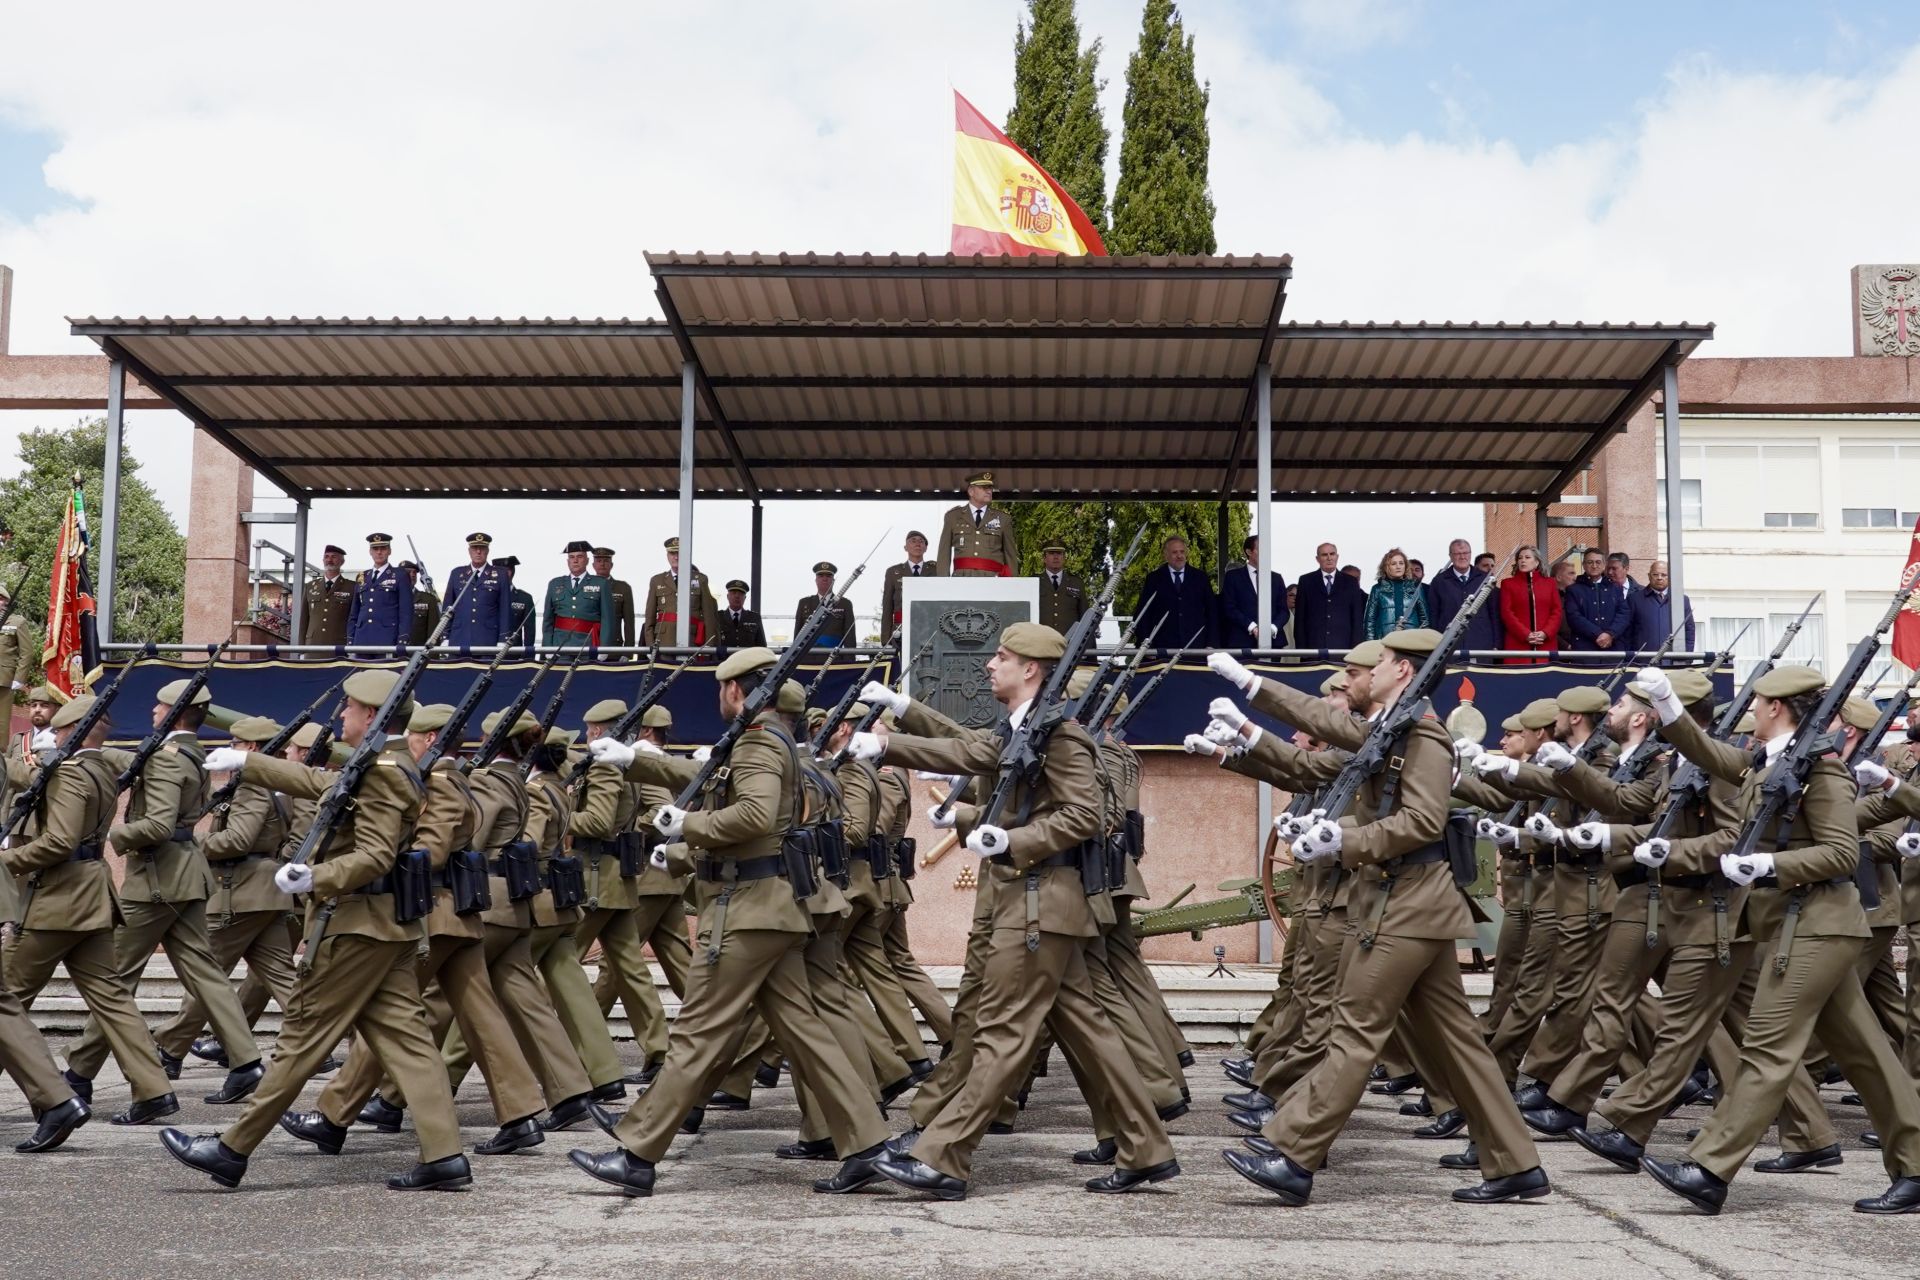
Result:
[[1880, 475], [1756, 484], [1690, 504], [1763, 623], [1790, 520]]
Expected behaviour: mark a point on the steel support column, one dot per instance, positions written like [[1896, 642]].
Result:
[[110, 495], [1220, 544], [683, 588], [1670, 439], [753, 574], [297, 579], [1263, 529], [1540, 538]]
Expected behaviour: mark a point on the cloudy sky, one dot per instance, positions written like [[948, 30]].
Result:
[[1499, 161]]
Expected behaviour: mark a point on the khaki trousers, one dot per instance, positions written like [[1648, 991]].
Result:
[[1576, 960], [1515, 926], [1420, 976], [1142, 990], [182, 927], [1143, 1054], [24, 1054], [935, 1091], [1804, 1122], [259, 938], [1532, 988], [372, 987], [1693, 1000], [558, 960], [1283, 1062], [921, 991], [764, 970], [529, 1011], [660, 921], [866, 952], [93, 965], [1616, 1005]]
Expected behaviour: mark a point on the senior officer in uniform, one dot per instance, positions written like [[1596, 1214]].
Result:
[[483, 598], [663, 604], [329, 605], [360, 962], [839, 627], [976, 539], [1063, 597], [622, 597], [20, 647], [579, 604], [522, 602], [739, 627], [426, 605], [382, 599], [914, 566]]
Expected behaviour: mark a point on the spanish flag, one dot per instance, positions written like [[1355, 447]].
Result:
[[1004, 203]]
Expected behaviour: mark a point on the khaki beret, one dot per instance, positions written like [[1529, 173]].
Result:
[[370, 688], [254, 729], [605, 710], [558, 737], [1747, 724], [307, 734], [1690, 686], [171, 691], [72, 710], [1077, 683], [1365, 654], [41, 693], [1584, 699], [791, 699], [1539, 714], [1511, 725], [1119, 705], [857, 712], [743, 662], [656, 717], [1335, 683], [1859, 713], [429, 716], [525, 724], [1033, 640], [1414, 642], [816, 716], [1789, 682]]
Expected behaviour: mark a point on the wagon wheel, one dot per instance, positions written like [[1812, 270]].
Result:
[[1269, 858]]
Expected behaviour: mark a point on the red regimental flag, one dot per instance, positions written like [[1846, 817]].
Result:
[[72, 655], [1906, 627]]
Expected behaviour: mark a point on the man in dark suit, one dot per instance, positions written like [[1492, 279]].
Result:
[[1653, 612], [1450, 589], [1181, 595], [1330, 607], [1240, 604], [1597, 608]]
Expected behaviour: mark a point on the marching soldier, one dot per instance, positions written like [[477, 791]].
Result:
[[622, 597], [329, 603], [976, 539], [20, 647], [483, 612], [579, 603], [426, 606], [1063, 597], [522, 603], [382, 599], [739, 626], [839, 627], [663, 604], [40, 708], [914, 566]]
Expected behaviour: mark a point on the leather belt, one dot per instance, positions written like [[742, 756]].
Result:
[[1773, 882], [1436, 852], [85, 853], [1071, 858], [1638, 876], [712, 870], [594, 845], [181, 835], [378, 885]]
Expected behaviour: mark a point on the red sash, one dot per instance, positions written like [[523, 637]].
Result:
[[698, 630], [591, 630], [982, 564]]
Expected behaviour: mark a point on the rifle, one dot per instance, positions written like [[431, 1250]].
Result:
[[13, 596], [551, 715], [426, 578], [1103, 670], [1097, 687], [276, 744], [627, 727], [839, 710], [769, 687], [161, 731], [1025, 753], [456, 725], [867, 721], [1119, 689], [1389, 730], [30, 797], [503, 727], [819, 677]]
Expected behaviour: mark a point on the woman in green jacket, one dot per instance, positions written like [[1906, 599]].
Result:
[[1396, 600]]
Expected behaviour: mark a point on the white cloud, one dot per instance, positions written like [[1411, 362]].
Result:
[[380, 160]]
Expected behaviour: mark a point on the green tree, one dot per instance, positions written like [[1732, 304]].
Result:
[[152, 555], [1092, 532], [1161, 203], [1056, 104]]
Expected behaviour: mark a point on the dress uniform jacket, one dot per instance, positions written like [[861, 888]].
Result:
[[329, 610], [524, 610], [1062, 602], [243, 851], [426, 616], [449, 819], [740, 630], [579, 609], [20, 651], [502, 796], [603, 807], [170, 795], [661, 623], [892, 608], [839, 627], [622, 612], [483, 616], [382, 607], [75, 811], [977, 550], [548, 823]]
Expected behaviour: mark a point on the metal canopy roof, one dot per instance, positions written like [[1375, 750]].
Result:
[[823, 376]]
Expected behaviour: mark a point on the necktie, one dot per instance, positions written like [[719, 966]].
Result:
[[1056, 581], [1178, 578], [1328, 579], [976, 517], [916, 570]]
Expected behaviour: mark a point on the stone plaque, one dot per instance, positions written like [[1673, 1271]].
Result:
[[1886, 310], [965, 617]]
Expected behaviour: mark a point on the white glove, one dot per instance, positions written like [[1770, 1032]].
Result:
[[1744, 869], [611, 751], [1201, 744], [1488, 766], [294, 877], [670, 820], [987, 840], [1653, 853], [1660, 693], [1590, 836], [1554, 756], [866, 746], [1484, 828], [1291, 826], [1304, 852], [44, 740], [1321, 836], [1253, 631], [1225, 711], [1874, 777], [644, 746], [658, 858], [1541, 827], [1228, 668], [702, 754], [219, 760], [17, 686], [875, 694], [1502, 835], [1220, 733], [1908, 845], [942, 821], [1467, 749]]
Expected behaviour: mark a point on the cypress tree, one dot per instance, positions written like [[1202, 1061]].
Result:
[[1056, 104], [1161, 203]]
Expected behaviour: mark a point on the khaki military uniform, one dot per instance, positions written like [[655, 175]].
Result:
[[163, 896], [662, 617], [622, 611], [1880, 839], [660, 921], [426, 616], [329, 607], [750, 949], [1062, 605], [604, 804], [873, 807], [838, 628], [920, 989], [892, 613], [739, 631], [248, 911], [20, 651], [552, 945], [982, 548], [68, 912], [1123, 948]]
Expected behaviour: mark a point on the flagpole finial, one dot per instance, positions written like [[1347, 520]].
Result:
[[78, 482]]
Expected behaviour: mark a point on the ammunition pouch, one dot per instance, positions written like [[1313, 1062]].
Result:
[[519, 865], [566, 878], [797, 852], [1091, 856], [830, 843], [1119, 847], [1866, 875], [1458, 840], [631, 847], [1136, 833], [411, 884], [905, 850], [467, 878], [878, 855]]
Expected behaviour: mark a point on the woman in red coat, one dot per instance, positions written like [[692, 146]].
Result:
[[1529, 605]]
